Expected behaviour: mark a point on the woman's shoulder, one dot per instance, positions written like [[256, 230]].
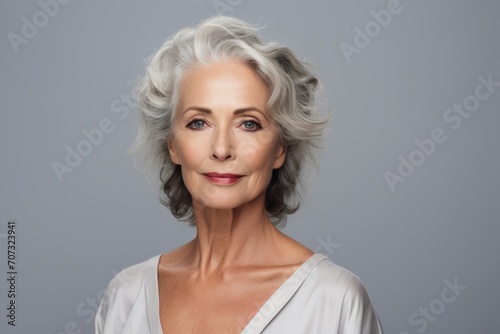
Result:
[[344, 294], [125, 291], [132, 277], [330, 279]]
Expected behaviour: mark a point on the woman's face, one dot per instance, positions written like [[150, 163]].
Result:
[[224, 138]]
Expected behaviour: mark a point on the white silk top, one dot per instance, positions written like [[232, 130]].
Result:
[[320, 297]]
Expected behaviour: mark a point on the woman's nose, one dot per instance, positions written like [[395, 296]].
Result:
[[223, 144]]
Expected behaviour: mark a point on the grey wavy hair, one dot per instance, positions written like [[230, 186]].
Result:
[[292, 104]]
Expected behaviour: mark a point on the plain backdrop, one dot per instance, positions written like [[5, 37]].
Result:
[[390, 84]]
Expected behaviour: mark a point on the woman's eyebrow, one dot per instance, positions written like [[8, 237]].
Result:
[[205, 110], [236, 112]]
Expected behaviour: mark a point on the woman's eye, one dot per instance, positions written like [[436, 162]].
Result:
[[251, 125], [196, 124]]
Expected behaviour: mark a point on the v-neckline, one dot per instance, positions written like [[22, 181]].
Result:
[[263, 316]]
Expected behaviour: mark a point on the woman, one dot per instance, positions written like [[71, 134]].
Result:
[[229, 121]]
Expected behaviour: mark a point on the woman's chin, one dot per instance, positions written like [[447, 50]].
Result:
[[220, 204], [222, 201]]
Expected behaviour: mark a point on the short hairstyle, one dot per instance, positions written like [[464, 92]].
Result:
[[292, 104]]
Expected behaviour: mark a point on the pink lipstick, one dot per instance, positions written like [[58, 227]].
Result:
[[223, 178]]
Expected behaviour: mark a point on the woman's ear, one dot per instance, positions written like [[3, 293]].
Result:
[[279, 158], [173, 153]]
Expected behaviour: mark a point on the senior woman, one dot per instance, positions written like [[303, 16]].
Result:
[[229, 121]]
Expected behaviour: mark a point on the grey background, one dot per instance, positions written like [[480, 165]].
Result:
[[442, 223]]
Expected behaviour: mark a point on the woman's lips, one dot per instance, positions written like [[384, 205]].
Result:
[[223, 178]]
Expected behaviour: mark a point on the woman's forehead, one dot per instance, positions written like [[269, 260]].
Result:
[[228, 84]]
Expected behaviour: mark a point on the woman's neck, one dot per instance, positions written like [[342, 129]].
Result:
[[228, 237]]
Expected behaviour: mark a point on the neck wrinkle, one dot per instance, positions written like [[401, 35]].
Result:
[[229, 238]]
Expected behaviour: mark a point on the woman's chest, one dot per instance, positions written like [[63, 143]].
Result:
[[212, 307]]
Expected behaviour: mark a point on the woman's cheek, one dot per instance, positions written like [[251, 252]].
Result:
[[193, 146], [256, 146]]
